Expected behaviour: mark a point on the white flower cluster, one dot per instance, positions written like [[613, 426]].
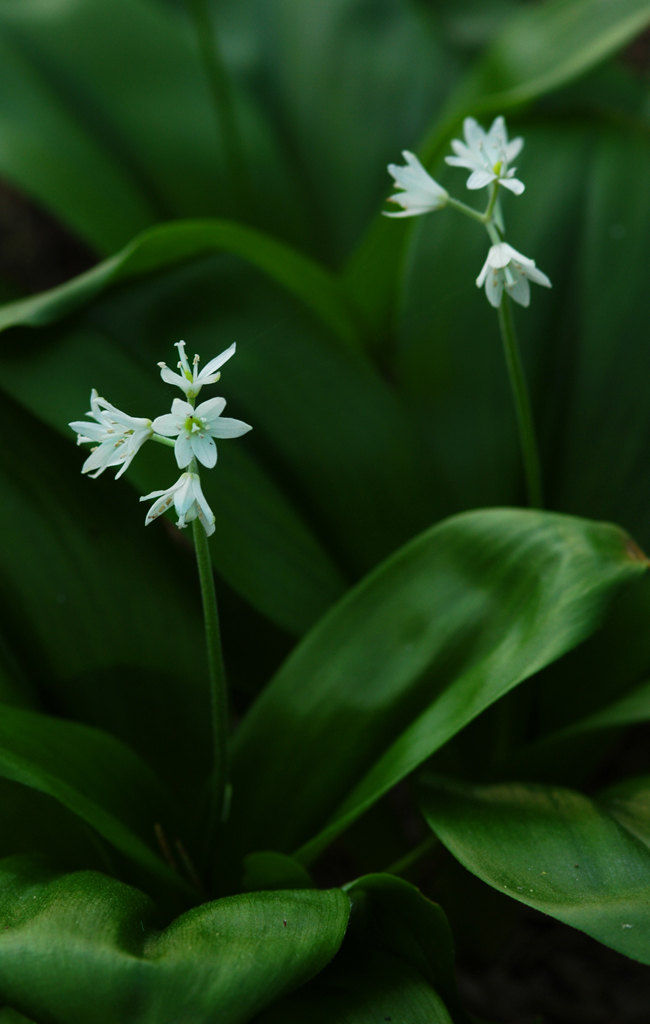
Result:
[[488, 156], [118, 437]]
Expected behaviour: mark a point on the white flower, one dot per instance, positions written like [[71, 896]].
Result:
[[421, 193], [196, 429], [118, 437], [189, 379], [189, 502], [507, 268], [487, 155]]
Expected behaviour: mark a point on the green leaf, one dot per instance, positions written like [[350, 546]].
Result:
[[168, 244], [270, 870], [396, 963], [585, 862], [49, 155], [96, 777], [80, 949], [423, 645], [109, 121], [544, 47]]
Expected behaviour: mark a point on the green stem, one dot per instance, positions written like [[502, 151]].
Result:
[[163, 440], [467, 210], [218, 691], [522, 404], [399, 867], [493, 198], [222, 101]]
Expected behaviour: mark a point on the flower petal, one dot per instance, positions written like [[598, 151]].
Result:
[[169, 424], [494, 287], [520, 290], [479, 179], [226, 427], [513, 184], [175, 378], [204, 448], [183, 449], [218, 361], [209, 410]]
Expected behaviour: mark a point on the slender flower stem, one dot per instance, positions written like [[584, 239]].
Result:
[[218, 690], [522, 405], [222, 101], [399, 867], [163, 440], [467, 210], [492, 203]]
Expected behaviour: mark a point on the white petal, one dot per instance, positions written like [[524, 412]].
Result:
[[175, 378], [494, 288], [537, 276], [474, 134], [218, 361], [182, 408], [205, 512], [169, 424], [479, 179], [500, 255], [514, 148], [460, 161], [184, 494], [520, 291], [183, 449], [480, 280], [225, 427], [413, 211], [513, 184], [204, 448], [91, 431], [210, 409]]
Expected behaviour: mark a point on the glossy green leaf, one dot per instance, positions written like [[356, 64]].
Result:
[[585, 862], [48, 154], [110, 122], [168, 244], [94, 776], [423, 645], [544, 47], [80, 949], [396, 962], [35, 823]]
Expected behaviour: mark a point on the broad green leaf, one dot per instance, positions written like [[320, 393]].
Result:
[[35, 823], [585, 862], [168, 244], [80, 949], [345, 84], [376, 987], [93, 775], [607, 431], [424, 644], [396, 962], [270, 870], [124, 81], [545, 46], [397, 918], [49, 155]]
